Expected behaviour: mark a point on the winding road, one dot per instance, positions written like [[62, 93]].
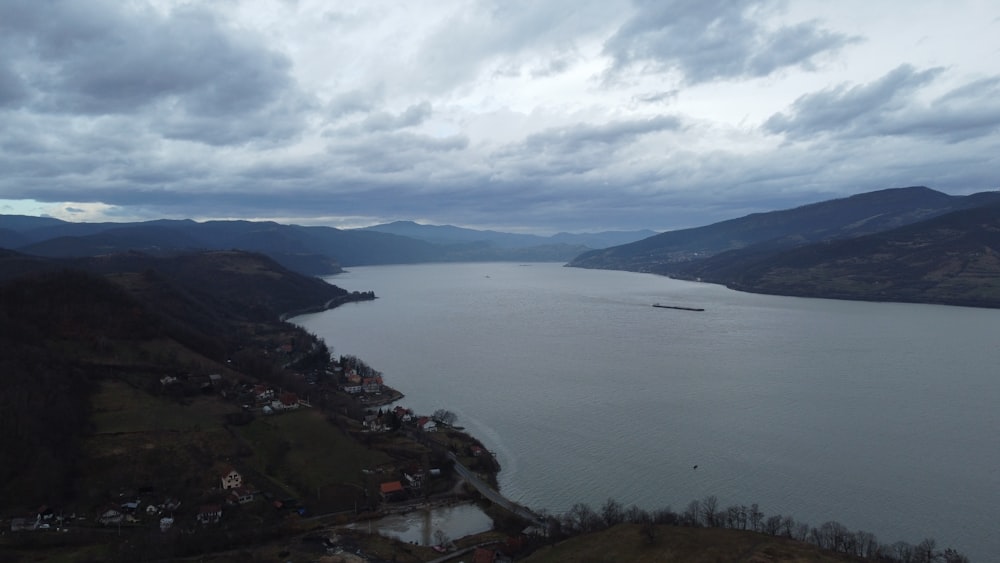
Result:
[[494, 496]]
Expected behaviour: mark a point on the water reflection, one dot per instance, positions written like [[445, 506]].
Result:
[[421, 525]]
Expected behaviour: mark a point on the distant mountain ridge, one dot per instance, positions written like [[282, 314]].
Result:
[[857, 215], [449, 234], [903, 244], [951, 259], [312, 250], [229, 280]]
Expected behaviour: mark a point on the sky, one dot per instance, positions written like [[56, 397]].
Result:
[[524, 116]]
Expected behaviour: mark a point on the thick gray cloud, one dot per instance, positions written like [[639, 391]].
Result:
[[890, 106], [183, 70], [410, 117], [352, 102], [576, 149], [535, 116], [489, 31], [12, 87], [385, 153], [707, 40]]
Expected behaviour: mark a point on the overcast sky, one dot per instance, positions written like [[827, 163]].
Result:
[[531, 116]]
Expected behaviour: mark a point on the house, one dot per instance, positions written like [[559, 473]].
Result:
[[209, 514], [414, 481], [477, 451], [165, 523], [353, 378], [215, 379], [286, 402], [402, 414], [352, 389], [262, 393], [392, 490], [426, 424], [371, 384], [110, 515], [289, 401], [231, 479], [44, 513], [241, 495], [152, 510]]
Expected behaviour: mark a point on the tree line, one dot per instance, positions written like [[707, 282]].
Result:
[[707, 513]]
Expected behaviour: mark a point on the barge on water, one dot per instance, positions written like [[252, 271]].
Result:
[[677, 307]]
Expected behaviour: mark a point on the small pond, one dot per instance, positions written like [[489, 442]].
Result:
[[419, 526]]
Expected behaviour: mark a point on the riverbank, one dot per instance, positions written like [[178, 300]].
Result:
[[352, 297], [501, 347]]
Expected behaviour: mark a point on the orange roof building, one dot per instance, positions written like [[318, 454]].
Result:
[[391, 487]]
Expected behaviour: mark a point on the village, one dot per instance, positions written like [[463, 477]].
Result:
[[407, 460]]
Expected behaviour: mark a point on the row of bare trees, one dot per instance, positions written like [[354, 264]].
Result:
[[708, 513]]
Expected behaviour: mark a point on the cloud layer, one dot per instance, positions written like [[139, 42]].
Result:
[[503, 114]]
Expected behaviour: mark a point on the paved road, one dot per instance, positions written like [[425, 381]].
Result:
[[494, 496]]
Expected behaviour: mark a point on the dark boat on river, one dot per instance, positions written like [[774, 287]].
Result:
[[677, 307]]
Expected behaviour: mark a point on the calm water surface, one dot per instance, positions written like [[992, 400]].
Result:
[[880, 416], [420, 526]]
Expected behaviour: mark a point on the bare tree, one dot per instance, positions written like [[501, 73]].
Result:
[[692, 513], [635, 515], [756, 517], [612, 513], [445, 416], [772, 526], [800, 531], [867, 544], [647, 526], [665, 516], [709, 509], [581, 519], [951, 556], [787, 526], [903, 552], [925, 552]]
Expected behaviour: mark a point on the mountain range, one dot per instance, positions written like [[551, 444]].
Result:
[[901, 244], [311, 250], [904, 244]]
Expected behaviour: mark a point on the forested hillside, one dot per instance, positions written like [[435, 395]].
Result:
[[65, 325]]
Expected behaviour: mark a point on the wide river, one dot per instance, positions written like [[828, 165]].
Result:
[[884, 417]]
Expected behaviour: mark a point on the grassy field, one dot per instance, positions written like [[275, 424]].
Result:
[[119, 407], [687, 545], [307, 454], [140, 439]]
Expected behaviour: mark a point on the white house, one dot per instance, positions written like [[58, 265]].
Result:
[[110, 515], [231, 479]]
